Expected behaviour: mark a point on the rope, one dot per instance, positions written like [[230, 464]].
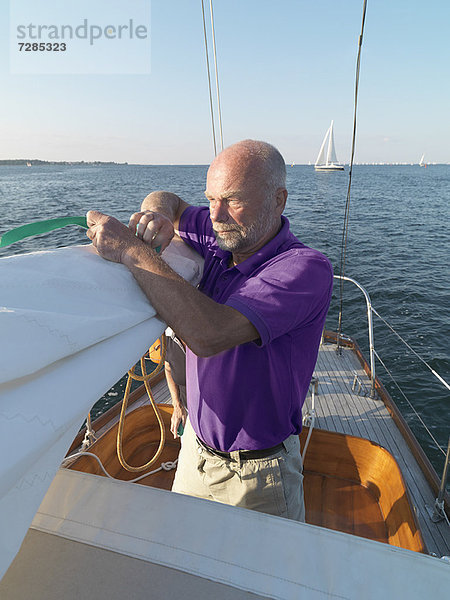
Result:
[[438, 446], [146, 378], [217, 75], [167, 466], [89, 436], [39, 227], [347, 203], [310, 418], [441, 379], [209, 81]]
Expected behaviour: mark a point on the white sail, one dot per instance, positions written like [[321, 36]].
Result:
[[421, 162], [71, 325], [331, 155], [321, 158], [327, 159]]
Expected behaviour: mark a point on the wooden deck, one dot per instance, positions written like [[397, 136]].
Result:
[[340, 409]]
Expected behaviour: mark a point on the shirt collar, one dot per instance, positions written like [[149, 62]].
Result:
[[269, 250]]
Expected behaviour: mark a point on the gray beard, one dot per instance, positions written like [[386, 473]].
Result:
[[241, 238], [234, 242]]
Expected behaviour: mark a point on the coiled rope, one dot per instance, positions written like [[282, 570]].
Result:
[[146, 378], [167, 466]]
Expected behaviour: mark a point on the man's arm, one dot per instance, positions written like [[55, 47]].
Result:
[[166, 203], [206, 326], [179, 413], [158, 219]]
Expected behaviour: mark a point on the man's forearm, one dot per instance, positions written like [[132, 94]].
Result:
[[206, 326], [173, 387]]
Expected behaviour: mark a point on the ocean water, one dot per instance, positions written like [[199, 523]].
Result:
[[398, 250]]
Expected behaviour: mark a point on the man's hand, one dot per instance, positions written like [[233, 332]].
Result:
[[111, 238], [154, 228], [178, 416]]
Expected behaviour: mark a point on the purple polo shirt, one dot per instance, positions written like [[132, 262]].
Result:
[[251, 397]]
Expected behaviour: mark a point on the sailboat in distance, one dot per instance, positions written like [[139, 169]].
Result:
[[422, 162], [327, 159]]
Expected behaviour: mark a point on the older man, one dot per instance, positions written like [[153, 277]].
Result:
[[252, 329]]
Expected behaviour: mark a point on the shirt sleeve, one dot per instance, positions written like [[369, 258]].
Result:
[[195, 228], [293, 290]]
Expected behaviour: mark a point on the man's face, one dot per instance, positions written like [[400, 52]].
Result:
[[241, 211]]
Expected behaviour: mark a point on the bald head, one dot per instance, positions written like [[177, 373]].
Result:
[[256, 160], [246, 190]]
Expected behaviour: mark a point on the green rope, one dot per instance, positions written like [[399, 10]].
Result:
[[38, 227]]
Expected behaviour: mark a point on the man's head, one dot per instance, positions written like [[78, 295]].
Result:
[[247, 194]]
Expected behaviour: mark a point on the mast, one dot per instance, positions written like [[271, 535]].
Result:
[[330, 141]]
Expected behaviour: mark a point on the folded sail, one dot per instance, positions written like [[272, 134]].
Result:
[[71, 324]]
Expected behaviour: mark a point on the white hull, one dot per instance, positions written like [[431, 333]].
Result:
[[327, 168], [93, 537]]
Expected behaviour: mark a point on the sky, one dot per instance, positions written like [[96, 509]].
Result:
[[286, 69]]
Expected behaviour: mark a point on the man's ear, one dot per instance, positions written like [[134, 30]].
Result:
[[281, 198]]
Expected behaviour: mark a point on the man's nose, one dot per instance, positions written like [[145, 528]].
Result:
[[219, 211]]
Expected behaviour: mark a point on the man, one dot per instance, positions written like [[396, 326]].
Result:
[[175, 372], [252, 329]]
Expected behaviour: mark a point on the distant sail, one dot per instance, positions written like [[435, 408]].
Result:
[[327, 159], [421, 162]]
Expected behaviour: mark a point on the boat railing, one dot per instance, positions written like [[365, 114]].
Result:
[[372, 352], [370, 328], [437, 512]]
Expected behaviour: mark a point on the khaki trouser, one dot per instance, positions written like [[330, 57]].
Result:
[[272, 485]]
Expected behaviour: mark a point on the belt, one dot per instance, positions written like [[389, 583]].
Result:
[[243, 454]]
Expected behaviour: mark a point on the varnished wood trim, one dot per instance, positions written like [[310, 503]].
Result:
[[351, 484], [357, 461], [418, 453]]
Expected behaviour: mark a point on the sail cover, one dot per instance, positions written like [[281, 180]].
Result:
[[71, 324]]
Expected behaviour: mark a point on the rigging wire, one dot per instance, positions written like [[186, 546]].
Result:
[[344, 242], [219, 112], [209, 80], [441, 379], [347, 203], [438, 446]]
